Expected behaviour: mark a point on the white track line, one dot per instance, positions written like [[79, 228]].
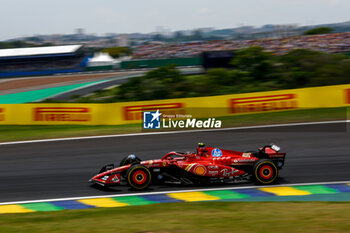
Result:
[[174, 132], [174, 191]]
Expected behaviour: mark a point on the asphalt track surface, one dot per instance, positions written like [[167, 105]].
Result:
[[44, 170]]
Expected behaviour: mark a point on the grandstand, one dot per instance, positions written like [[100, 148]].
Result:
[[330, 43], [42, 60]]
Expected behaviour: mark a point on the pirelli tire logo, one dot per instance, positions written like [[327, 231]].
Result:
[[75, 114], [2, 114], [263, 103], [135, 112]]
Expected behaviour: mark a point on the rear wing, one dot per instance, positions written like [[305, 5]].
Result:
[[273, 152]]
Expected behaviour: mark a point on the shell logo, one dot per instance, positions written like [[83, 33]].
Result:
[[200, 170]]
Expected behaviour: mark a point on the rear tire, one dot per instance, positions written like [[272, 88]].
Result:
[[138, 177], [265, 172]]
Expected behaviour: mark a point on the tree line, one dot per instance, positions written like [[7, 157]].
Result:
[[253, 70]]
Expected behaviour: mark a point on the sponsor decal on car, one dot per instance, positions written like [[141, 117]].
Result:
[[242, 161], [263, 103], [246, 155], [115, 178], [216, 152], [226, 172], [62, 114], [155, 163], [213, 173], [200, 170], [248, 160], [136, 112], [276, 155]]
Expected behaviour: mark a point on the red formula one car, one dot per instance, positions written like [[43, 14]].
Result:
[[208, 165]]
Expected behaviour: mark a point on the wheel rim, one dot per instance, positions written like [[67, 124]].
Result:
[[266, 172], [139, 177]]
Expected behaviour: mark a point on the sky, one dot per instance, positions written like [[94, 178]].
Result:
[[32, 17]]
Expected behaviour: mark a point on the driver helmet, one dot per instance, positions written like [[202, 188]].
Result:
[[201, 149]]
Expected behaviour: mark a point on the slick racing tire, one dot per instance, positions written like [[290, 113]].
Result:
[[138, 177], [265, 172]]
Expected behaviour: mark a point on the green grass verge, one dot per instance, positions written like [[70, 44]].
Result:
[[189, 217], [13, 133]]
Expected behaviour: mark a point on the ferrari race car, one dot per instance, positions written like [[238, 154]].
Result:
[[208, 165]]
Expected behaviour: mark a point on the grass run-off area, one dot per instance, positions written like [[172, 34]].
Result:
[[27, 132], [189, 217]]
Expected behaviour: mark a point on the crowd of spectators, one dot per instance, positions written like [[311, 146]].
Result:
[[334, 43], [24, 65]]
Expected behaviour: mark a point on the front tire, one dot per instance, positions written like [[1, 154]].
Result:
[[265, 172], [138, 177]]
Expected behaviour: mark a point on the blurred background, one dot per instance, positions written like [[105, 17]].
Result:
[[206, 49], [277, 69]]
